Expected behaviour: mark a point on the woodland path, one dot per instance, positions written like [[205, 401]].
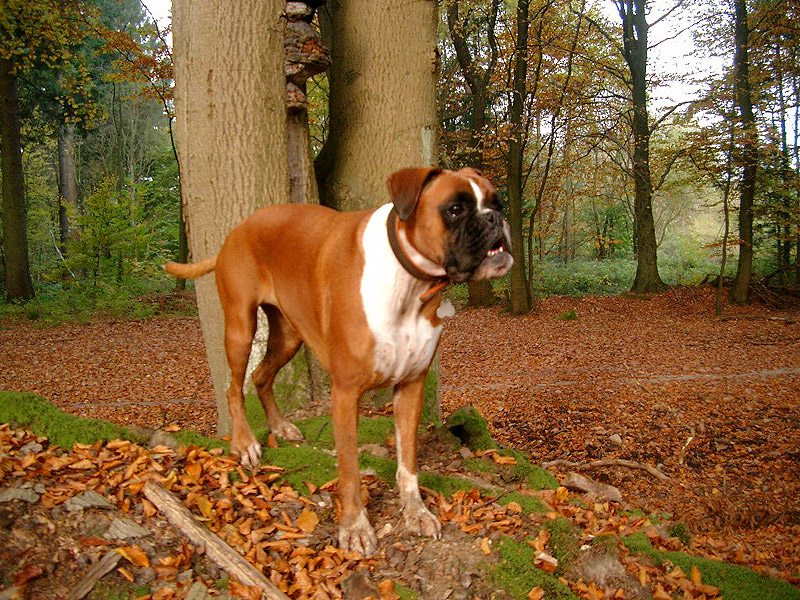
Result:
[[713, 402]]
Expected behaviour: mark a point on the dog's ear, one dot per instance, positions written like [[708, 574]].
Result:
[[405, 187], [471, 171]]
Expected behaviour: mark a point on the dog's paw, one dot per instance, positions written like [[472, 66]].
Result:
[[420, 521], [285, 430], [249, 456], [358, 536]]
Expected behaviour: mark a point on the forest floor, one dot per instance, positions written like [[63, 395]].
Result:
[[713, 403]]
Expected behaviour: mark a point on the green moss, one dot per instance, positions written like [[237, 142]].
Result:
[[735, 582], [568, 315], [375, 430], [317, 431], [680, 531], [302, 464], [187, 437], [443, 484], [405, 593], [534, 477], [470, 427], [529, 504], [43, 418], [383, 467], [478, 465], [386, 470], [516, 575], [564, 541]]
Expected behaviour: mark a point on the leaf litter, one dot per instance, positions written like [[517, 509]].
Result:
[[710, 402]]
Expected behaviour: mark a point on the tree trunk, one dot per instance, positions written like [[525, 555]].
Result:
[[231, 129], [382, 108], [19, 286], [740, 290], [382, 98], [520, 294], [67, 188], [634, 28]]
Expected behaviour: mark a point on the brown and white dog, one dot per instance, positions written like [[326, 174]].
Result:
[[362, 289]]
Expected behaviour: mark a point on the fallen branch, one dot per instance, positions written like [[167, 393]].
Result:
[[607, 462], [217, 550], [96, 573]]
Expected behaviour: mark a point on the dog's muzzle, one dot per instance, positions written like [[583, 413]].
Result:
[[481, 250]]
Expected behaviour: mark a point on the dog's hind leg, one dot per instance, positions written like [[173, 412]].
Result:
[[240, 329], [282, 345]]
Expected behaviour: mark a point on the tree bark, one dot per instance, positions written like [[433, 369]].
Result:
[[740, 290], [231, 129], [67, 188], [19, 286], [520, 293], [634, 31], [382, 98]]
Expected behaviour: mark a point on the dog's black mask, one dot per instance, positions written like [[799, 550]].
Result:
[[479, 244]]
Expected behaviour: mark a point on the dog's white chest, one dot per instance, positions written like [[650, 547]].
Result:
[[405, 340]]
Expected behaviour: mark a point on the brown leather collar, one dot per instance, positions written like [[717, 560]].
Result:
[[439, 281]]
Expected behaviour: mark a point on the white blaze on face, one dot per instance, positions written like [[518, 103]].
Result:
[[478, 197]]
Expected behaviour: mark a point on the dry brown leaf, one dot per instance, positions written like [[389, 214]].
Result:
[[536, 593], [308, 521], [486, 546], [134, 555]]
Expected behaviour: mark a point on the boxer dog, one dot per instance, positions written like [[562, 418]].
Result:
[[362, 289]]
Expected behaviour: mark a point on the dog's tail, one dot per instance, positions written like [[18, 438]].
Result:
[[191, 270]]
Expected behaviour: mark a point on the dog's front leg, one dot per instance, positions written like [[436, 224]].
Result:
[[355, 531], [408, 399]]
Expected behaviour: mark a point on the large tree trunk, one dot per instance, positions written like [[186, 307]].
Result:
[[634, 29], [231, 127], [740, 290], [382, 98], [383, 115], [520, 294], [19, 286]]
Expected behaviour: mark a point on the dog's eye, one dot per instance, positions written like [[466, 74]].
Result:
[[456, 210]]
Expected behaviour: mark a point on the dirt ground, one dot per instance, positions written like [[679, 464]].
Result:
[[713, 403]]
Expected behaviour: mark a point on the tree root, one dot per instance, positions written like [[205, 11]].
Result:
[[607, 462]]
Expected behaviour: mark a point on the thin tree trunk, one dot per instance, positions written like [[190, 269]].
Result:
[[67, 187], [19, 286], [520, 294], [740, 291]]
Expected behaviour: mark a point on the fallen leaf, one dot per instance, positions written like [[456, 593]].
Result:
[[485, 546], [134, 555], [307, 521], [536, 593]]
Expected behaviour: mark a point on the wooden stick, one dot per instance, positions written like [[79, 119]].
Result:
[[607, 462], [96, 573], [217, 550]]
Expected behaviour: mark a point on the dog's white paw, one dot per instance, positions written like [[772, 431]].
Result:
[[358, 536], [285, 430], [420, 521], [250, 456]]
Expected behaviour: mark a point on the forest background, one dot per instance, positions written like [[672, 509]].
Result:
[[95, 208]]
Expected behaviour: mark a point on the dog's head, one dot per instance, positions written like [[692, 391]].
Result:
[[454, 219]]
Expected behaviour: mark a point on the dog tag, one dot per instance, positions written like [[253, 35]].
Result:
[[446, 309]]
